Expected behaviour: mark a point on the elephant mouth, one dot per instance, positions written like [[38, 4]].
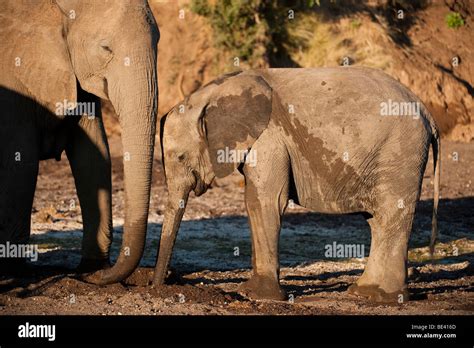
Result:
[[200, 187]]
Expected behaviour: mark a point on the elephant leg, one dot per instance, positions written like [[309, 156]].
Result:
[[89, 157], [266, 197], [385, 275], [18, 175]]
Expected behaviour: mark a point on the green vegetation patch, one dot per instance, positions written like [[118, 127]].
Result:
[[454, 20]]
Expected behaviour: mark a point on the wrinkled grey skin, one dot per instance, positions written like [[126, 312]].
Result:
[[321, 141], [78, 51]]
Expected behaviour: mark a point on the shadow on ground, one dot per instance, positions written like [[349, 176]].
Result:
[[223, 243]]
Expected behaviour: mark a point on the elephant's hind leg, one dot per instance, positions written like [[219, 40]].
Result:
[[385, 275], [266, 196]]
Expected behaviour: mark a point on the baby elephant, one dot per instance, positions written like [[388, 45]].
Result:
[[334, 140]]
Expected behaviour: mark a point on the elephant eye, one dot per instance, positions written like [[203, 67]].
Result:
[[181, 157], [107, 49], [105, 45]]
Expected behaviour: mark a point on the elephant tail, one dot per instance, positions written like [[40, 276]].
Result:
[[436, 144]]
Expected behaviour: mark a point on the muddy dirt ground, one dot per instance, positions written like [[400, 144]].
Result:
[[212, 253]]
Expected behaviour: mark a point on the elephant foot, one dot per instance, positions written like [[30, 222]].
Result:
[[92, 265], [376, 294], [262, 287]]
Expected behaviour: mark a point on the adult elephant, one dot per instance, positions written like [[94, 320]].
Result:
[[58, 59]]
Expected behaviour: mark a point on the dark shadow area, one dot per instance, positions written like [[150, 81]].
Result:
[[326, 275], [208, 244], [419, 294], [311, 290], [465, 83], [455, 219], [386, 13], [31, 275], [395, 17], [30, 133]]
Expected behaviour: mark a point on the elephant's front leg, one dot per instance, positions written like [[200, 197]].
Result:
[[266, 197], [89, 157], [19, 160]]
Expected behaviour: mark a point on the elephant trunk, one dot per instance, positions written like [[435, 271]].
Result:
[[135, 98], [176, 206]]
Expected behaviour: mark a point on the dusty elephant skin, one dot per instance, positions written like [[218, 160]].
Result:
[[58, 58], [320, 137]]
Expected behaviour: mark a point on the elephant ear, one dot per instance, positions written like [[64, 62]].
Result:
[[43, 65], [238, 111]]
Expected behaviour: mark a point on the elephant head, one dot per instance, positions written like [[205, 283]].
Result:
[[202, 138], [110, 49]]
